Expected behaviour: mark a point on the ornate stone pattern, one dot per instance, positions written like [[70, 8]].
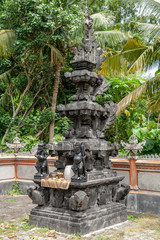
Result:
[[90, 120], [16, 145], [87, 205], [119, 192], [133, 146]]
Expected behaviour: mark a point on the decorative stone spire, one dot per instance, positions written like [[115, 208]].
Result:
[[94, 190], [88, 56]]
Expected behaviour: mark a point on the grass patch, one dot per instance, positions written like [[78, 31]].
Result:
[[15, 190], [25, 218], [130, 217], [42, 230], [147, 224], [10, 200], [26, 227]]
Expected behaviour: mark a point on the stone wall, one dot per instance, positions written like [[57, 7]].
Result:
[[145, 199], [20, 167], [23, 168], [148, 172]]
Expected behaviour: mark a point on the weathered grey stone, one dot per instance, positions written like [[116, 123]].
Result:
[[120, 192], [41, 164], [79, 201], [38, 195], [87, 204], [78, 222], [142, 202]]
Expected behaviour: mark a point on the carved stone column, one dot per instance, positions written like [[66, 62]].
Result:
[[16, 146], [133, 147]]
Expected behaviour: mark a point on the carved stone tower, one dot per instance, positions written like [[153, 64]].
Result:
[[89, 203]]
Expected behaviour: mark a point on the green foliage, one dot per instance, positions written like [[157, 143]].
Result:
[[25, 218], [130, 217], [119, 88], [43, 30], [31, 142], [16, 189], [122, 10], [26, 227], [58, 137], [62, 125], [152, 137], [135, 119]]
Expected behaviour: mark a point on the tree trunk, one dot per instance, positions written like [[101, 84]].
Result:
[[54, 100]]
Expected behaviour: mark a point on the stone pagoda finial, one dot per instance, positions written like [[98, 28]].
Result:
[[16, 145], [88, 56], [133, 146], [88, 21]]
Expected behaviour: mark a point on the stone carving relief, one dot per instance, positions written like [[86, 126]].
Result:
[[120, 192], [79, 201], [79, 163], [42, 164], [38, 195]]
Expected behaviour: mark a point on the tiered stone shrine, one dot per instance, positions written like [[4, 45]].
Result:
[[92, 200]]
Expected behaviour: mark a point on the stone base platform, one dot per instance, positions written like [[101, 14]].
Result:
[[68, 221]]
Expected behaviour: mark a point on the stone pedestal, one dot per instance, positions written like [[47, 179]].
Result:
[[68, 221], [83, 208]]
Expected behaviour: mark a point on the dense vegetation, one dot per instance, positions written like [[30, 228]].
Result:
[[36, 45]]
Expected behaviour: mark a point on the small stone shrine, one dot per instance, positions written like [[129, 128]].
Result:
[[88, 200]]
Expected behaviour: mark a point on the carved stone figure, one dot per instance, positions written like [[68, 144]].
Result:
[[79, 163], [41, 164], [38, 195], [79, 201], [120, 192]]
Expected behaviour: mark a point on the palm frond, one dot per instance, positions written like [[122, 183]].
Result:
[[6, 76], [156, 46], [7, 38], [55, 55], [142, 60], [77, 35], [151, 88], [114, 65], [4, 99], [154, 102], [153, 93], [153, 85], [101, 19], [149, 30], [149, 7], [133, 57], [132, 50], [110, 38], [134, 95]]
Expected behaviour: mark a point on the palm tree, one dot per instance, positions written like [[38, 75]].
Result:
[[151, 87], [7, 38]]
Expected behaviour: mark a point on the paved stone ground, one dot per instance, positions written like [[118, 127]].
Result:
[[13, 207], [14, 211]]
